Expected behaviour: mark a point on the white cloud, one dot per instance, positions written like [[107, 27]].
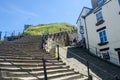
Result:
[[12, 9], [24, 12], [4, 10]]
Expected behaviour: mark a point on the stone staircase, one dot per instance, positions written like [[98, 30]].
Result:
[[22, 60]]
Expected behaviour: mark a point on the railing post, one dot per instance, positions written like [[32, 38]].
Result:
[[96, 51], [88, 68], [44, 67], [58, 56], [0, 73], [89, 76]]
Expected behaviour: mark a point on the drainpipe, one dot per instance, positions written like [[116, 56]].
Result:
[[86, 32]]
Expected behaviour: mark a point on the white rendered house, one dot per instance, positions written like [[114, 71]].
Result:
[[101, 26], [81, 24]]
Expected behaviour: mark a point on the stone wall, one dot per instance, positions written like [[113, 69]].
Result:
[[50, 41]]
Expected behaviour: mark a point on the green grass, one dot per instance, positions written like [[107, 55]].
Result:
[[1, 40], [48, 28]]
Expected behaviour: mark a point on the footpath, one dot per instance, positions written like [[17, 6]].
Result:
[[101, 68]]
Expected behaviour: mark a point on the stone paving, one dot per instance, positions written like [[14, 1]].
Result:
[[101, 68]]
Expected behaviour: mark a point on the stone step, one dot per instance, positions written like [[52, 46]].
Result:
[[21, 61], [30, 68], [19, 69], [22, 54], [26, 65], [9, 74], [38, 72], [75, 77], [28, 61], [33, 60], [17, 57], [25, 50], [60, 75], [35, 71], [55, 76], [52, 71], [23, 57], [9, 50], [28, 74], [21, 78], [71, 77]]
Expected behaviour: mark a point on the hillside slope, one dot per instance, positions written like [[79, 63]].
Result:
[[48, 28]]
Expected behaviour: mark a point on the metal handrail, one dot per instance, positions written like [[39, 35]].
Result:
[[45, 70]]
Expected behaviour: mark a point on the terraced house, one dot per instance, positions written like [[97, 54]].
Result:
[[100, 27]]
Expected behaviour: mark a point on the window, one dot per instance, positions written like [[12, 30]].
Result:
[[119, 5], [118, 51], [101, 2], [99, 16], [105, 55], [81, 30], [119, 2], [103, 36]]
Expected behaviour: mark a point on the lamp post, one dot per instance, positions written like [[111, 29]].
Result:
[[86, 32]]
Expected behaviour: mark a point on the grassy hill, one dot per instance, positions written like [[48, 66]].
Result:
[[48, 28]]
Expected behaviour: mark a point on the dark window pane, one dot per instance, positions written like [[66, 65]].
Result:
[[119, 2], [101, 2], [100, 34], [105, 39], [101, 39], [99, 16], [104, 33]]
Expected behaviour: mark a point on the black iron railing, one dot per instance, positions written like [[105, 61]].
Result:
[[44, 67]]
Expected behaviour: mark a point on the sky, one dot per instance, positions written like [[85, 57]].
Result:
[[14, 14]]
